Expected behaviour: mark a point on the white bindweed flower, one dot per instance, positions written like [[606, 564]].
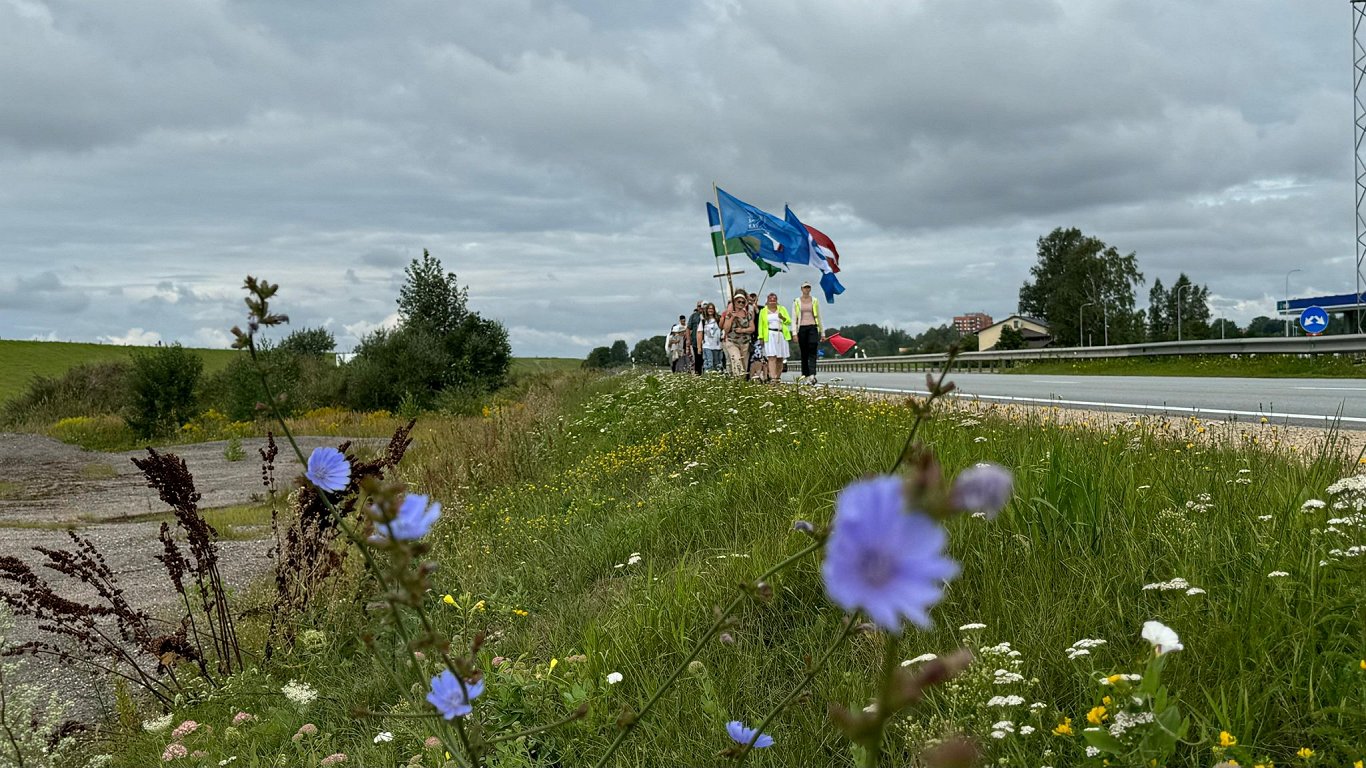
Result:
[[613, 678], [1162, 637], [383, 736]]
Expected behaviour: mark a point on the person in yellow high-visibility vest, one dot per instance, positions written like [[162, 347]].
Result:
[[775, 334]]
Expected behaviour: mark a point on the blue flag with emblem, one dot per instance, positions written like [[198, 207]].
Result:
[[749, 246], [778, 241]]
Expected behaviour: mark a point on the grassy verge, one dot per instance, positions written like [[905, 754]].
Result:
[[1253, 366], [591, 528]]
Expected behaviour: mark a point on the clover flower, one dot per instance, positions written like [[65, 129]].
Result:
[[449, 698], [742, 735], [1162, 637], [333, 759], [328, 469], [984, 489], [184, 729], [415, 518], [883, 558], [307, 729]]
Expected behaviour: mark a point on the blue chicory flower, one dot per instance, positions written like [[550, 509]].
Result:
[[883, 558], [743, 735], [328, 469], [449, 698], [984, 489], [415, 518]]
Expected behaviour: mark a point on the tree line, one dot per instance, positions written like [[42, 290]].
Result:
[[1082, 285]]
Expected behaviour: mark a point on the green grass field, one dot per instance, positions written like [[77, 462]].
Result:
[[592, 528], [20, 361], [1254, 366], [23, 360]]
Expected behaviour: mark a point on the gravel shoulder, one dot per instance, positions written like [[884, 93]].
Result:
[[48, 487]]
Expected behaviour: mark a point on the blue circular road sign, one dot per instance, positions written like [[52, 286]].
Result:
[[1314, 321]]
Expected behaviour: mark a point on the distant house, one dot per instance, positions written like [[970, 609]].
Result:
[[1034, 330]]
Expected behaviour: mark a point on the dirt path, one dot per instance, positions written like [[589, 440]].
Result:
[[47, 487]]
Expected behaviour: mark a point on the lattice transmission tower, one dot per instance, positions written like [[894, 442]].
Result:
[[1359, 119]]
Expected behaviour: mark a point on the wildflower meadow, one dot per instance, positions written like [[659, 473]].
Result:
[[657, 570]]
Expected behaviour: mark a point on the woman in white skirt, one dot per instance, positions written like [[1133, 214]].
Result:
[[775, 334]]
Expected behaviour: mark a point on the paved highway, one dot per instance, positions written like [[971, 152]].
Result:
[[1296, 401]]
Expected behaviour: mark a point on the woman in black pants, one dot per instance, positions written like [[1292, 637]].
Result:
[[806, 313]]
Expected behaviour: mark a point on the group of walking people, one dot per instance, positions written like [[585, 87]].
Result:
[[748, 339]]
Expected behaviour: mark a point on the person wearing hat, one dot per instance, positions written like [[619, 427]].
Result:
[[676, 345], [737, 332], [806, 314], [694, 320]]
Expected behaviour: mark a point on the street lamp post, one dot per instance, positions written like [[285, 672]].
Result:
[[1287, 299], [1081, 324], [1178, 309]]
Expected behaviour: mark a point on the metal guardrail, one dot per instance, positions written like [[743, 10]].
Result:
[[992, 358]]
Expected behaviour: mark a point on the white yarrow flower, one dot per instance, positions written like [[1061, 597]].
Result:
[[157, 724], [299, 694], [613, 678], [1277, 574], [972, 626], [1162, 637], [918, 659]]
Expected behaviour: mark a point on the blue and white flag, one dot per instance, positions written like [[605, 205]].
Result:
[[816, 258], [778, 240]]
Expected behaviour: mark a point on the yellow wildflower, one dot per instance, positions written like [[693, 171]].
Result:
[[448, 600], [1226, 739], [1363, 661], [1112, 679], [1105, 700], [479, 606], [519, 611], [1357, 764], [1305, 752], [1064, 728], [1096, 715], [553, 664]]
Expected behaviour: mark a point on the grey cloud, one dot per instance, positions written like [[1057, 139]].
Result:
[[43, 292], [556, 156]]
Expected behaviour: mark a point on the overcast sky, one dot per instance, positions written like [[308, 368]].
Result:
[[557, 155]]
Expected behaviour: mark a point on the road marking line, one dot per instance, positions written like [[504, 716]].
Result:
[[1120, 406], [1333, 389]]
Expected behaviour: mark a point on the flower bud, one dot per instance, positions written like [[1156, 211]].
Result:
[[727, 638]]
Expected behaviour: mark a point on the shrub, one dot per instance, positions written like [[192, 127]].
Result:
[[391, 364], [163, 381], [94, 433], [88, 389], [305, 380]]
